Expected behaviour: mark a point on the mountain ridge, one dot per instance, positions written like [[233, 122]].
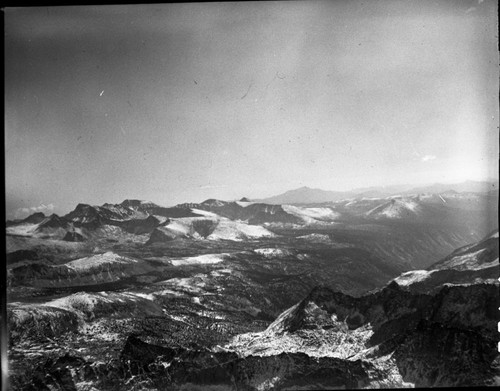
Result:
[[307, 195]]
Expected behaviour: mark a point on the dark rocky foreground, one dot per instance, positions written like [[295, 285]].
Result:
[[154, 367], [442, 340], [227, 370]]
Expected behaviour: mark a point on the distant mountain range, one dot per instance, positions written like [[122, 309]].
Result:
[[307, 195], [143, 217], [422, 227]]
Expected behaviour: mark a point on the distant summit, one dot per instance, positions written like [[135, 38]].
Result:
[[396, 209], [212, 202], [463, 187], [245, 199], [307, 195], [35, 218], [138, 204], [53, 221]]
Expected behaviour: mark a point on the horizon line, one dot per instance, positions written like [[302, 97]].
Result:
[[34, 209]]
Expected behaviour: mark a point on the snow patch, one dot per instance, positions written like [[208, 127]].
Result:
[[236, 231], [179, 318], [85, 303], [317, 238], [311, 215], [220, 272], [161, 219], [225, 229], [143, 295], [395, 209], [200, 259], [273, 252], [180, 227], [244, 204], [412, 277], [78, 301], [99, 260], [22, 229], [205, 213]]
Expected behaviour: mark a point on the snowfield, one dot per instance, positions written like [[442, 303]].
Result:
[[78, 301], [161, 219], [98, 260], [236, 231], [108, 302], [183, 226], [22, 229], [412, 277], [396, 209], [312, 215], [224, 228], [200, 259], [244, 204], [205, 213]]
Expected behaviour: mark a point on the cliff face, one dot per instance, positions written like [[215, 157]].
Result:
[[437, 356], [429, 339]]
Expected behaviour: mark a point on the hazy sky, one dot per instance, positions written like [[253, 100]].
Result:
[[182, 102]]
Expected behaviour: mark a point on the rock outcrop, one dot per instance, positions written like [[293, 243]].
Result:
[[431, 339], [226, 370]]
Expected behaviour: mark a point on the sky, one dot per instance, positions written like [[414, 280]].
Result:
[[182, 102]]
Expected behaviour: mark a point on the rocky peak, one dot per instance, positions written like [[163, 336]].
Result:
[[212, 202], [135, 204], [53, 221], [83, 210], [35, 218]]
